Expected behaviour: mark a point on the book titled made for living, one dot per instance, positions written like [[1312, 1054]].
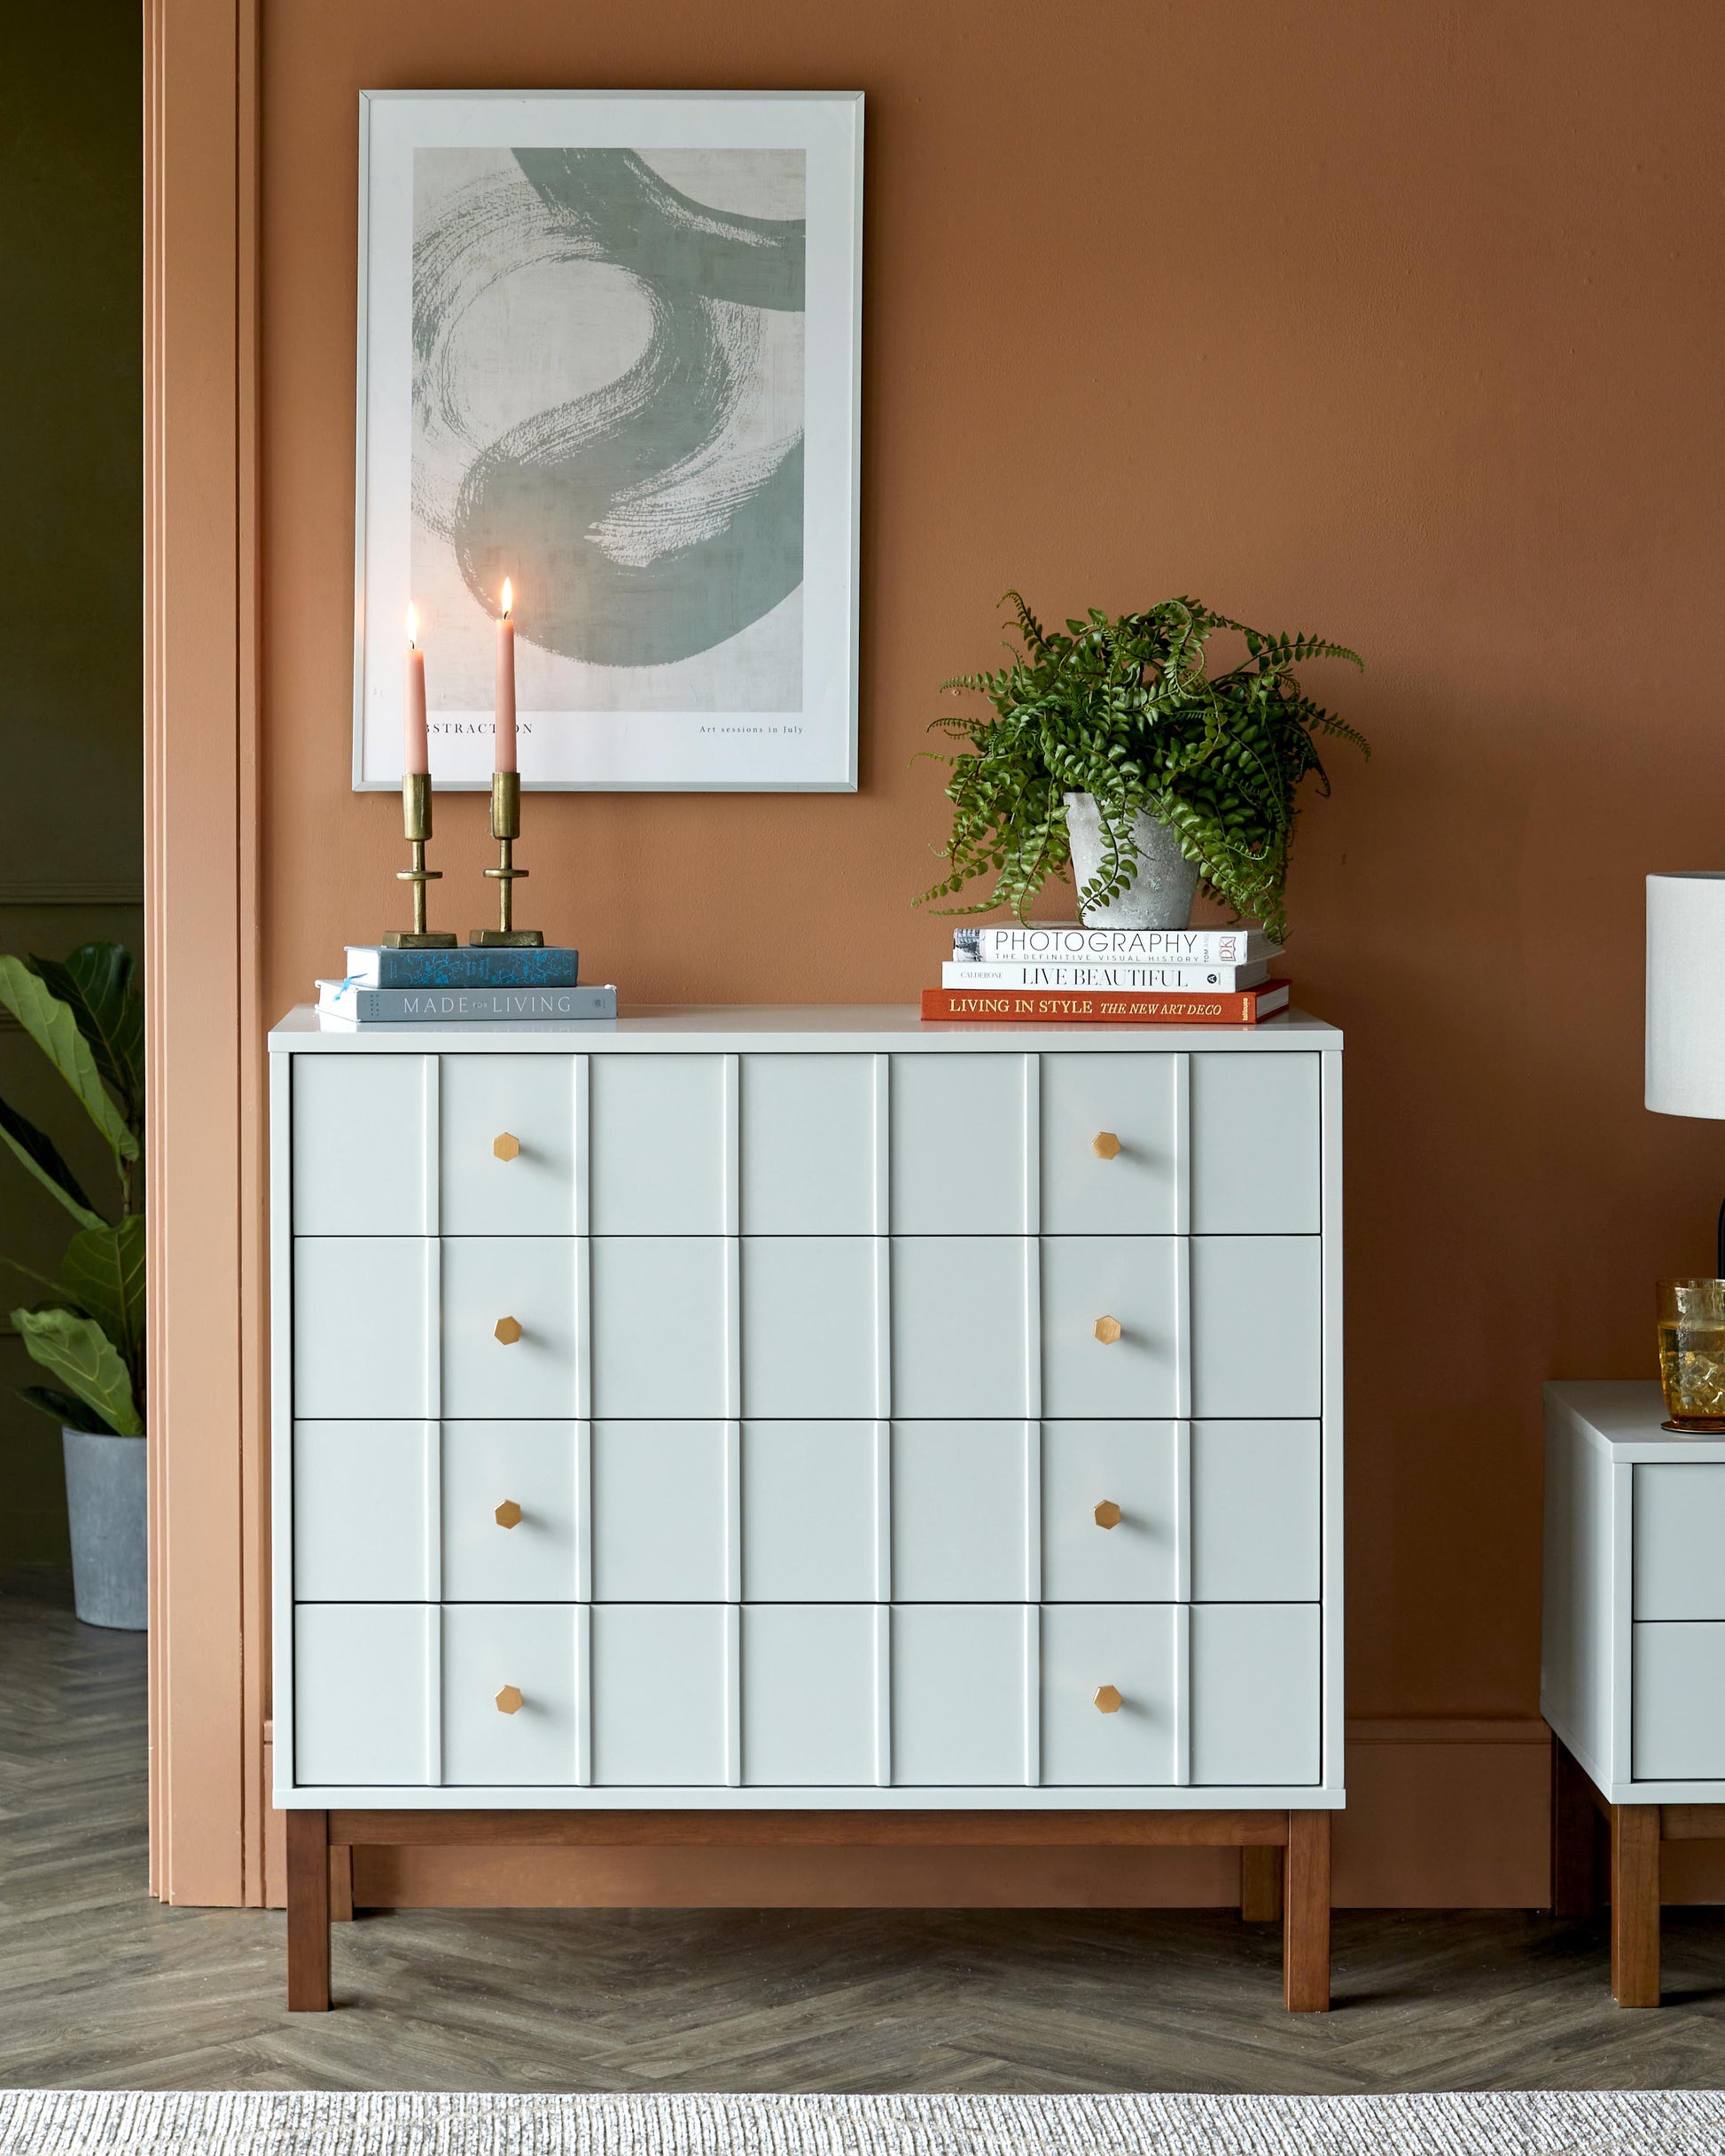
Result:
[[346, 999]]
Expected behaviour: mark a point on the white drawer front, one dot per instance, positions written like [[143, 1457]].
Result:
[[1257, 1327], [522, 1658], [661, 1324], [661, 1694], [1255, 1145], [1131, 1465], [1256, 1707], [1132, 1649], [363, 1506], [509, 1154], [363, 1674], [961, 1517], [961, 1308], [1255, 1511], [809, 1695], [1136, 1280], [1677, 1690], [533, 1282], [1680, 1540], [661, 1145], [811, 1344], [959, 1145], [959, 1693], [363, 1160], [1133, 1100], [533, 1469], [809, 1528], [363, 1320], [809, 1145], [662, 1507]]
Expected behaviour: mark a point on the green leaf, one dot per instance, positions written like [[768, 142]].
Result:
[[40, 1154], [98, 983], [69, 1413], [51, 1026], [77, 1352], [103, 1273], [41, 1279]]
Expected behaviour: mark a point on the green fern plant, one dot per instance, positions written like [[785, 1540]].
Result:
[[1129, 711], [87, 1332]]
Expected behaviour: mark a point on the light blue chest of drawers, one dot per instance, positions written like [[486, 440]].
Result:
[[798, 1409]]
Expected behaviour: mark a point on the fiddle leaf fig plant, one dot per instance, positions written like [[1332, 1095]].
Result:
[[1130, 712], [86, 1014]]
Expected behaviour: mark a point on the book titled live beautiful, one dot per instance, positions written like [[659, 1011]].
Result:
[[1105, 1007]]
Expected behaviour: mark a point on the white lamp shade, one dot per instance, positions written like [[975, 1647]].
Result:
[[1686, 994]]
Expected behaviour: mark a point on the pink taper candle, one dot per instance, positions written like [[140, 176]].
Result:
[[505, 700], [415, 749]]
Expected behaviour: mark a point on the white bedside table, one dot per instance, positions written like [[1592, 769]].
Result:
[[1632, 1658]]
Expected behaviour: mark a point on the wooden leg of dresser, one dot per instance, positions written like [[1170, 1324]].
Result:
[[1260, 1884], [308, 1912], [1636, 1904], [341, 1882], [1306, 1921], [1574, 1837]]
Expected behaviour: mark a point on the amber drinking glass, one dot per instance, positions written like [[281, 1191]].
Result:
[[1692, 1353]]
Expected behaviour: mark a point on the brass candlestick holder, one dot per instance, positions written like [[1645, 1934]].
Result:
[[417, 821], [505, 829]]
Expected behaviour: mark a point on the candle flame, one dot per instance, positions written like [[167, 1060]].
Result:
[[412, 625], [508, 598]]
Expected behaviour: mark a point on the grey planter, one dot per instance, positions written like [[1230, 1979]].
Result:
[[1161, 894], [105, 1498]]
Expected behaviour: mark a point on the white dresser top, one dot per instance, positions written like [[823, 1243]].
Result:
[[1622, 1418], [809, 1028]]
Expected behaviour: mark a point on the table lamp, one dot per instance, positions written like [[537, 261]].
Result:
[[1686, 1000]]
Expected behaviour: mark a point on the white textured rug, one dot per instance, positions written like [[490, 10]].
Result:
[[54, 2122]]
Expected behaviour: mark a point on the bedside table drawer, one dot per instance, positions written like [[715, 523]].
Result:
[[1680, 1540], [1678, 1702]]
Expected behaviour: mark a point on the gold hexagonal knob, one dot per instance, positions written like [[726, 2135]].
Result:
[[505, 1145], [508, 1514], [1105, 1145], [509, 1700], [1108, 1514], [1108, 1330], [1108, 1700], [508, 1330]]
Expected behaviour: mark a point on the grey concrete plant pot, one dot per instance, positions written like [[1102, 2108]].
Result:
[[105, 1498], [1161, 894]]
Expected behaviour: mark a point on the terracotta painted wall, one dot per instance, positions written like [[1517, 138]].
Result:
[[1397, 323]]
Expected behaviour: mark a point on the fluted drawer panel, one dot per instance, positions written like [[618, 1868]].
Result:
[[511, 1319], [670, 1510], [365, 1677], [511, 1145], [703, 1695], [366, 1326]]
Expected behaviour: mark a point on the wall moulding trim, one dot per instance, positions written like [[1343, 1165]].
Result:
[[209, 1436]]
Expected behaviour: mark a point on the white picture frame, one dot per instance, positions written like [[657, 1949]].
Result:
[[597, 381]]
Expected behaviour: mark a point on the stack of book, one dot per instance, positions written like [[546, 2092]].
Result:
[[1057, 971], [470, 984]]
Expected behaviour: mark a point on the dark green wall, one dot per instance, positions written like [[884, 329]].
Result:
[[71, 451]]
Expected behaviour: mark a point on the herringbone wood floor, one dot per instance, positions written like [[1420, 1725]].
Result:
[[102, 1988]]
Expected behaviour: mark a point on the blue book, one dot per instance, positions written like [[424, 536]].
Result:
[[346, 999], [470, 966]]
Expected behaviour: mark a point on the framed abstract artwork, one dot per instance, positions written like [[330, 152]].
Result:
[[609, 350]]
